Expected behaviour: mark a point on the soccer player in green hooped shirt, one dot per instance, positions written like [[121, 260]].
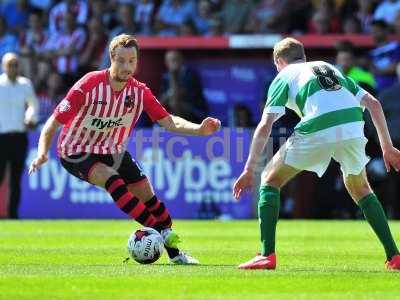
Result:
[[330, 106]]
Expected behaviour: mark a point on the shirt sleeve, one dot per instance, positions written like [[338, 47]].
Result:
[[68, 108], [355, 89], [277, 96], [153, 107]]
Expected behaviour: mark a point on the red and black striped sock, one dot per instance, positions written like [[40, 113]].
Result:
[[128, 203], [158, 210]]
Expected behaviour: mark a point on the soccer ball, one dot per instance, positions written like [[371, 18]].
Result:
[[145, 245]]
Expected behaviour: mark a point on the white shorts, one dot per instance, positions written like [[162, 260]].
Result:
[[303, 153]]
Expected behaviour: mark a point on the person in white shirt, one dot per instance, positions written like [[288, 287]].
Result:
[[18, 113]]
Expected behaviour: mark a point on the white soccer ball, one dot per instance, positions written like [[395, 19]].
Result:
[[145, 245]]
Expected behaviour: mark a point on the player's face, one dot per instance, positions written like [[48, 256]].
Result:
[[124, 63]]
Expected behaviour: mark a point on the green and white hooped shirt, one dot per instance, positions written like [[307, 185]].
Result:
[[327, 102]]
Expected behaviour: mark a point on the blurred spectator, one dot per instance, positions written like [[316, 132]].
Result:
[[334, 5], [387, 11], [397, 25], [63, 48], [125, 25], [125, 21], [18, 112], [216, 27], [351, 25], [51, 93], [345, 61], [91, 56], [181, 89], [172, 14], [32, 44], [264, 17], [187, 29], [296, 14], [391, 105], [234, 15], [364, 14], [216, 4], [203, 17], [144, 10], [390, 101], [100, 9], [16, 15], [41, 4], [242, 116], [78, 8], [385, 56], [8, 42], [324, 21]]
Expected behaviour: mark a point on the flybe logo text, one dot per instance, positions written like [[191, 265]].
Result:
[[108, 123]]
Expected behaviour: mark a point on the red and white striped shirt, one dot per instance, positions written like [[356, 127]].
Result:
[[67, 64], [99, 120]]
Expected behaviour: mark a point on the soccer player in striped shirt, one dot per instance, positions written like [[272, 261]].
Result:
[[330, 106], [98, 115]]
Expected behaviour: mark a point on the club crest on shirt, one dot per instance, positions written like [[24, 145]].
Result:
[[64, 106], [128, 102]]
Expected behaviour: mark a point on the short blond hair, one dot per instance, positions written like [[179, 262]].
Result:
[[290, 50], [122, 40]]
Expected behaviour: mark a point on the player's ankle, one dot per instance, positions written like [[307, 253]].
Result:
[[172, 252], [158, 227]]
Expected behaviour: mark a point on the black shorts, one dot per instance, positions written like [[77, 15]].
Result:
[[80, 165]]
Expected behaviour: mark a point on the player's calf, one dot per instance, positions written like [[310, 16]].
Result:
[[159, 211], [128, 203]]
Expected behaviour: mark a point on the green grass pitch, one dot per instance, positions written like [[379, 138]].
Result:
[[83, 260]]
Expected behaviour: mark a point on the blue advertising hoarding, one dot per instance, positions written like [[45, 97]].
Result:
[[192, 175]]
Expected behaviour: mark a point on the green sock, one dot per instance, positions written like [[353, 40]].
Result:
[[268, 213], [374, 214]]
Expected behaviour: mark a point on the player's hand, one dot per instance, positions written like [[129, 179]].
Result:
[[244, 182], [209, 126], [391, 157], [37, 163]]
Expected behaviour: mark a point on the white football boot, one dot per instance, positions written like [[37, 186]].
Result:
[[184, 259], [171, 240]]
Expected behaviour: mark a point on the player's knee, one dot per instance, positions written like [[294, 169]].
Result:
[[273, 181], [359, 191], [100, 173]]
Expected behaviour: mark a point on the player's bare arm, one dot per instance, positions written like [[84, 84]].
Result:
[[46, 137], [261, 135], [391, 155], [179, 125]]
